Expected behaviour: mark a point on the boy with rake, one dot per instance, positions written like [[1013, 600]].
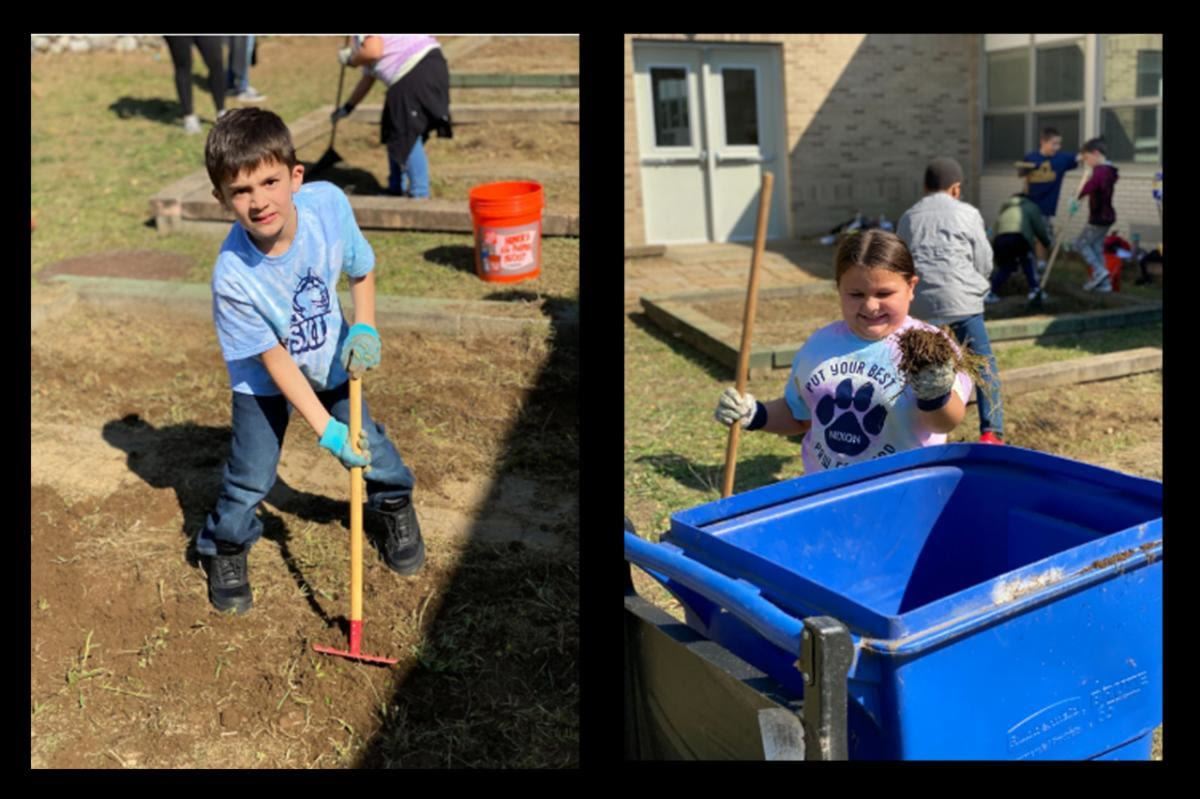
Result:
[[286, 345]]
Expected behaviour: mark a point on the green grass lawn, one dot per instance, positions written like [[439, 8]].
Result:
[[105, 135]]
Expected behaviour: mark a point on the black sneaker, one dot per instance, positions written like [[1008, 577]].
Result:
[[228, 583], [394, 531]]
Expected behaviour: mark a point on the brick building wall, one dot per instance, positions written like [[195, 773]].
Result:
[[864, 113]]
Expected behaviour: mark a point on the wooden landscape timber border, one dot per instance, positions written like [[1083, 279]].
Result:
[[438, 316], [187, 205], [459, 80], [678, 314]]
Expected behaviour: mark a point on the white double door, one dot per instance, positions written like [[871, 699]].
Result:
[[709, 125]]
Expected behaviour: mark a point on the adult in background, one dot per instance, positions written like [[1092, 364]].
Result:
[[181, 57], [413, 68], [237, 76]]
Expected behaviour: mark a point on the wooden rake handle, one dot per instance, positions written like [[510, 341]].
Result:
[[356, 502], [743, 364]]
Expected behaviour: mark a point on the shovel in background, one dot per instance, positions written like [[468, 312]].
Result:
[[331, 156], [1039, 299]]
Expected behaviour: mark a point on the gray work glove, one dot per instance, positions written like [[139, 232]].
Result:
[[341, 112], [932, 385], [734, 407]]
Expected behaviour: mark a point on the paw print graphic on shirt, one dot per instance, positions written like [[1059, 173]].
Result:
[[850, 432]]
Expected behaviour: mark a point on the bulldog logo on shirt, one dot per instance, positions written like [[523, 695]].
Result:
[[310, 307]]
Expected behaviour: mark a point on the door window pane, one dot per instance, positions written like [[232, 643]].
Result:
[[1131, 134], [671, 120], [1066, 123], [1132, 65], [1060, 73], [1008, 78], [741, 106], [1004, 137]]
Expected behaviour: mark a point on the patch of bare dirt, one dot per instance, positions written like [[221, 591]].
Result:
[[130, 665]]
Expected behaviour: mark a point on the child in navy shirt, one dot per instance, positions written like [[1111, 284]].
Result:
[[286, 345]]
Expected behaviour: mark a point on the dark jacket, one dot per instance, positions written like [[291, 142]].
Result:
[[1020, 214], [1099, 191]]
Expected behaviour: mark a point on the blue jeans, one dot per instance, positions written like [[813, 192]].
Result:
[[1090, 244], [259, 424], [411, 180], [972, 333], [237, 76]]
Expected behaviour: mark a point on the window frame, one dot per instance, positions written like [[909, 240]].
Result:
[[1032, 108], [1103, 105]]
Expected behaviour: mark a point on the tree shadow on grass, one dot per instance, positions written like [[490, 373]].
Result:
[[751, 473], [712, 367], [188, 458]]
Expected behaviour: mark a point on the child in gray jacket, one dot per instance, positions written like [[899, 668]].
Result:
[[949, 245]]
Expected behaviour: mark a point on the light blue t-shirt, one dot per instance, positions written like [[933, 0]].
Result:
[[852, 390], [291, 299]]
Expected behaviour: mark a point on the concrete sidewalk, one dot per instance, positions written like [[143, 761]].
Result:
[[696, 267]]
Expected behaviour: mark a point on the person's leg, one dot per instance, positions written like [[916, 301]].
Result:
[[233, 526], [1091, 247], [389, 476], [1039, 249], [259, 424], [1031, 275], [244, 85], [210, 49], [416, 172], [1000, 275], [972, 332], [235, 75], [181, 57], [389, 518]]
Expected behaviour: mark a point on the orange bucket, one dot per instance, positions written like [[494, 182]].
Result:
[[508, 230]]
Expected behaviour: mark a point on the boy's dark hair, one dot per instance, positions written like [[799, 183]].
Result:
[[942, 173], [1049, 133], [876, 249], [244, 138], [1096, 145]]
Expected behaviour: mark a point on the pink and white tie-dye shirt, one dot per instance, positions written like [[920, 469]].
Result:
[[852, 390], [401, 52]]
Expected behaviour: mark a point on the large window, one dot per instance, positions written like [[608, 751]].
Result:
[[1131, 99], [1030, 88]]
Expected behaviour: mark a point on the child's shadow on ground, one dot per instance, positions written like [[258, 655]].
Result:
[[190, 459]]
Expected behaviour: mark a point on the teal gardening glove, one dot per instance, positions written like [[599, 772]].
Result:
[[335, 439], [361, 348]]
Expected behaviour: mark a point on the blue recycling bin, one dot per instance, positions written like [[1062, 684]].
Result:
[[1004, 603]]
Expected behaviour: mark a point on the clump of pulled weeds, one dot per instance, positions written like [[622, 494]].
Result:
[[921, 348]]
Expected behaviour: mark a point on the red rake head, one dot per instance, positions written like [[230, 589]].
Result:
[[355, 644]]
